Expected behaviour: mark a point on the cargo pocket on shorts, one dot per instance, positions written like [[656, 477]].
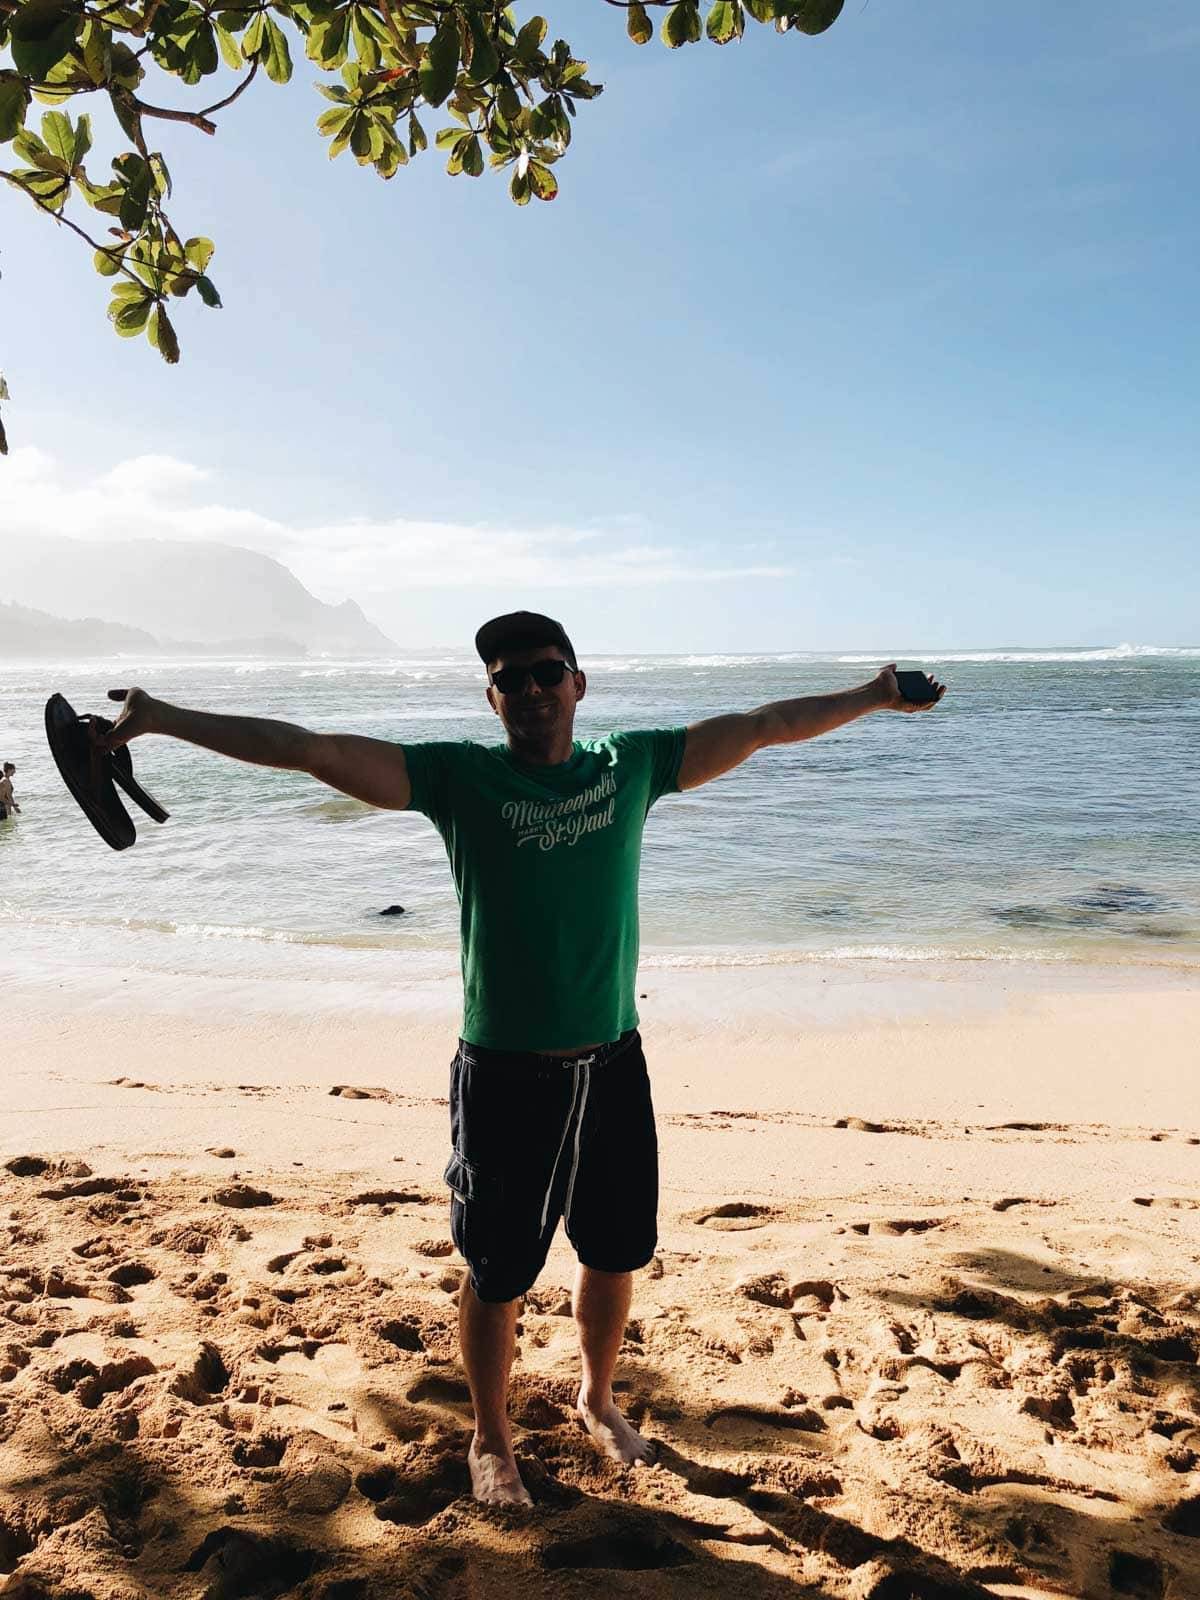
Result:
[[474, 1212], [469, 1184]]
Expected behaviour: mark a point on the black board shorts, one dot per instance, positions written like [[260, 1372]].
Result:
[[540, 1138]]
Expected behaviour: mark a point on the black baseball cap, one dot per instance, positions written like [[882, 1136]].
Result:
[[521, 630]]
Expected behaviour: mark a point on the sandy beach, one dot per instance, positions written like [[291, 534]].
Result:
[[924, 1320]]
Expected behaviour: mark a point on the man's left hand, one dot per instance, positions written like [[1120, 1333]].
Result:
[[890, 698]]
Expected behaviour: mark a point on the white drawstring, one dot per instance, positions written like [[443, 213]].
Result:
[[558, 1157], [587, 1082], [585, 1062]]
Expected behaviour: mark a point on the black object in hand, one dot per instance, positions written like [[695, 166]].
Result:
[[916, 688]]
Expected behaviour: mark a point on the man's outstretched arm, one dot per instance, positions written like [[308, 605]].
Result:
[[721, 743], [369, 769]]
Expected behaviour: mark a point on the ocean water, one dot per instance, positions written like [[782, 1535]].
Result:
[[1049, 809]]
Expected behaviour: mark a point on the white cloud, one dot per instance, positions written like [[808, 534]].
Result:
[[159, 497]]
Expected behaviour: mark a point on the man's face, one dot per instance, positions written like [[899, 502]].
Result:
[[532, 713]]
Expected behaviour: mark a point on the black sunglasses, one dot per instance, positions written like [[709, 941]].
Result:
[[546, 674]]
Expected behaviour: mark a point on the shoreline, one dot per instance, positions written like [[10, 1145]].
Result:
[[147, 1066]]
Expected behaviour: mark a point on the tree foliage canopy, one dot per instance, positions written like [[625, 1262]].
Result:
[[508, 98]]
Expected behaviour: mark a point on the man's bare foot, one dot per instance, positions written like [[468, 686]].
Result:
[[495, 1480], [613, 1434]]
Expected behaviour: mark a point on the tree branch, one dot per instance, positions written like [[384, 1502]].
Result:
[[195, 119], [109, 250], [230, 98]]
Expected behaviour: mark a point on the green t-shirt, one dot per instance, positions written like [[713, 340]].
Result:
[[546, 861]]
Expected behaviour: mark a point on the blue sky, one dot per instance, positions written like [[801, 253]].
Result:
[[881, 340]]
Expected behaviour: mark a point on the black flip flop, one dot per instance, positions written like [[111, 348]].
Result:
[[89, 774]]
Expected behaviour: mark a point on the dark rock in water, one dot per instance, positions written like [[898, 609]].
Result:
[[1086, 910], [1120, 897], [1022, 916], [392, 911]]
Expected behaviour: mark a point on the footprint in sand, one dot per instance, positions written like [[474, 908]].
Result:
[[27, 1166], [1170, 1202], [132, 1273], [403, 1333], [635, 1549], [265, 1450], [242, 1196], [251, 1563], [415, 1496], [734, 1216], [204, 1379], [765, 1419], [120, 1188], [389, 1197]]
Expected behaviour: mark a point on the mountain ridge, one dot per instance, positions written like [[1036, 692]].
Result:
[[204, 591]]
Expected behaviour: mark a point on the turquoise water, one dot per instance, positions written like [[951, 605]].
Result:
[[1049, 808]]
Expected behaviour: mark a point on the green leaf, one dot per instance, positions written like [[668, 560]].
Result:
[[360, 136], [276, 56], [760, 10], [134, 175], [128, 115], [14, 103], [341, 141], [439, 63], [334, 120], [485, 61], [198, 253], [28, 145], [42, 33], [542, 181], [681, 25], [366, 42], [638, 25], [126, 69], [105, 265], [393, 156], [129, 316], [83, 137], [59, 137], [416, 136], [231, 53], [207, 290], [95, 46], [726, 21], [814, 16], [252, 39], [472, 158], [327, 40], [518, 187], [529, 40], [445, 137], [162, 336]]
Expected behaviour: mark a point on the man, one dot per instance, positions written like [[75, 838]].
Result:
[[550, 1104], [8, 806]]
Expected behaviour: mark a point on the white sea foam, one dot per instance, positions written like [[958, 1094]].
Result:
[[1118, 652], [719, 958]]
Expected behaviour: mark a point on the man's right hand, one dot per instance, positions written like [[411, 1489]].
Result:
[[134, 718]]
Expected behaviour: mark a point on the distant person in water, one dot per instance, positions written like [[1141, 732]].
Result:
[[8, 806], [550, 1110]]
